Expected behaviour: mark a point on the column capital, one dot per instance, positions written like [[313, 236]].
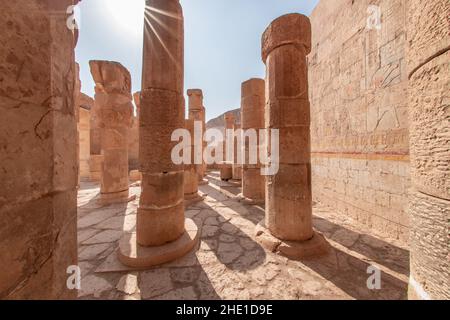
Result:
[[195, 99], [293, 28]]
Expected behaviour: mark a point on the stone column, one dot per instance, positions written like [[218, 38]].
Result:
[[226, 167], [84, 142], [133, 141], [96, 158], [428, 62], [133, 136], [237, 165], [96, 141], [285, 45], [163, 233], [38, 158], [84, 105], [190, 170], [197, 113], [113, 98], [252, 110]]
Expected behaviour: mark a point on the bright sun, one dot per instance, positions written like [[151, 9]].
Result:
[[128, 15]]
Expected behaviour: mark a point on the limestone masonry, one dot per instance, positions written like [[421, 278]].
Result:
[[334, 185]]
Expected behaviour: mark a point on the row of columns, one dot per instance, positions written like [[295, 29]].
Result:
[[39, 204]]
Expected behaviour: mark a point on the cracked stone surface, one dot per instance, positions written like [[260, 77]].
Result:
[[229, 263]]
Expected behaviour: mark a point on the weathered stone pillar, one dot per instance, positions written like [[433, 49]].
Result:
[[252, 111], [96, 140], [428, 61], [38, 158], [197, 113], [163, 233], [133, 141], [84, 105], [237, 165], [133, 136], [226, 167], [84, 142], [113, 98], [96, 158], [190, 170], [95, 167], [285, 45], [77, 96]]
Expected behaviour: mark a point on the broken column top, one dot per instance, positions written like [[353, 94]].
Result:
[[293, 28], [195, 98], [110, 77], [252, 86]]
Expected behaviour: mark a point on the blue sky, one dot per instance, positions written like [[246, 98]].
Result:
[[222, 42]]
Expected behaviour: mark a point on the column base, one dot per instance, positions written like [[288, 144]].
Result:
[[249, 201], [132, 254], [118, 197], [295, 250], [203, 182]]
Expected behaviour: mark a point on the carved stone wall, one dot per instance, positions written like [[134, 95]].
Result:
[[358, 93], [39, 157]]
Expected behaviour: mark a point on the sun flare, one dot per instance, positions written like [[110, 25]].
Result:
[[127, 15]]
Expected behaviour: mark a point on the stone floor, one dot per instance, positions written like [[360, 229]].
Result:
[[229, 264]]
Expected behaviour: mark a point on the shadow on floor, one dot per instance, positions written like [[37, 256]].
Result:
[[380, 251], [347, 272]]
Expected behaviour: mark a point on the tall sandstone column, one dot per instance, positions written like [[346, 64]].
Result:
[[226, 167], [285, 45], [96, 157], [197, 113], [252, 110], [163, 233], [190, 170], [133, 136], [38, 161], [84, 135], [133, 141], [85, 105], [113, 98], [237, 165], [428, 60]]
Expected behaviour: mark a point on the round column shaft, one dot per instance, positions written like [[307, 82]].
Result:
[[162, 234], [190, 170], [285, 45], [252, 110], [113, 99], [428, 56], [226, 168], [197, 113]]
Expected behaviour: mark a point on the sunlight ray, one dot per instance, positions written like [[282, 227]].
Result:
[[162, 24], [166, 13], [148, 22]]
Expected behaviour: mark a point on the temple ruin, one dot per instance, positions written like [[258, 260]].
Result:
[[94, 206]]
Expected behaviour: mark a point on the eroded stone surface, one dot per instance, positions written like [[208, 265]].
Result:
[[231, 264], [285, 45], [113, 100], [39, 165]]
